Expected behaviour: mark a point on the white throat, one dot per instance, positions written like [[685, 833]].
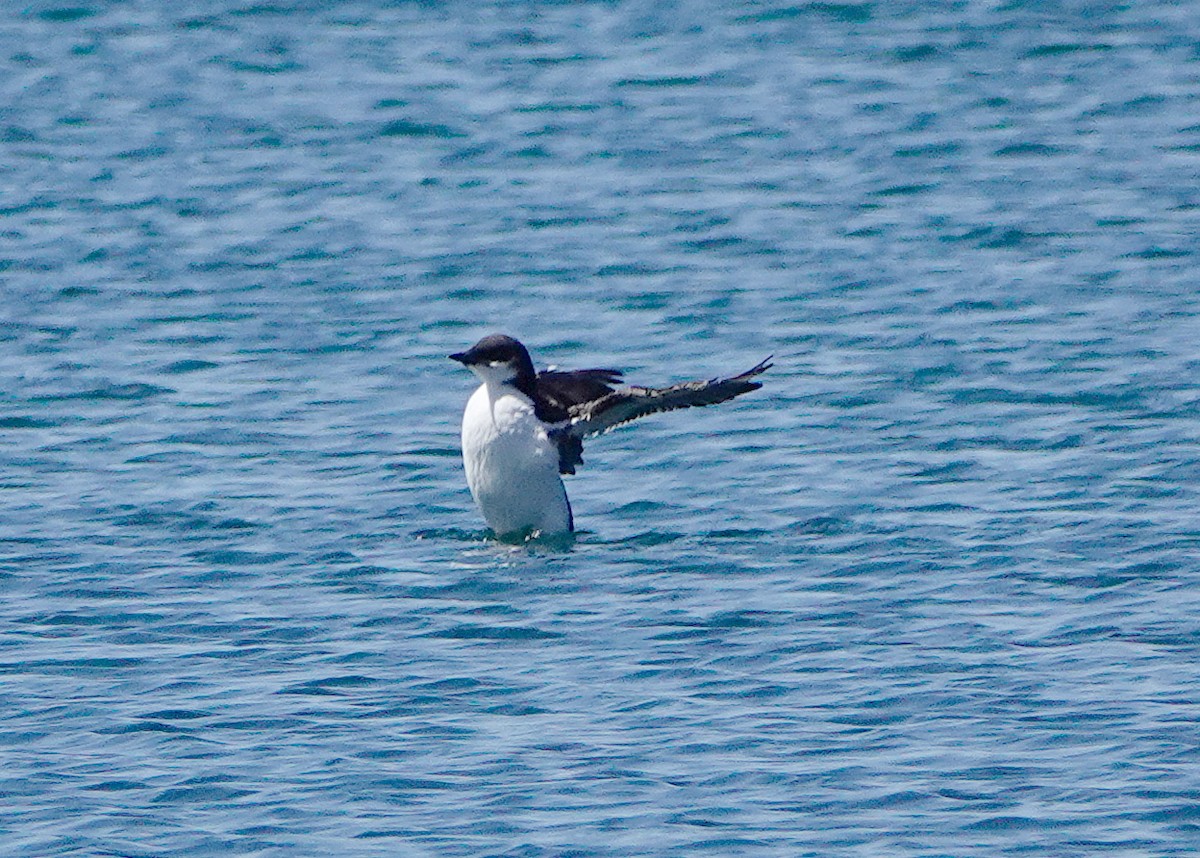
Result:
[[495, 375]]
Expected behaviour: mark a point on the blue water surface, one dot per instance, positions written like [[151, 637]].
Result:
[[931, 592]]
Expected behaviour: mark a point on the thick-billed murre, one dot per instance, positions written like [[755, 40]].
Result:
[[522, 428]]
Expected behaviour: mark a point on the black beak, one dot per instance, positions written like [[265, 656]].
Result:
[[461, 357]]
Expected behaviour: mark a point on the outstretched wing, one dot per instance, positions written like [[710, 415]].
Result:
[[621, 406]]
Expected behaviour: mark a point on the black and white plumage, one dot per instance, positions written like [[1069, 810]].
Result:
[[522, 429]]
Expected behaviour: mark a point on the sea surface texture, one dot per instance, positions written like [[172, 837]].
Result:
[[932, 591]]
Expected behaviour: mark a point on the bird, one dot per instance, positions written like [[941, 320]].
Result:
[[523, 429]]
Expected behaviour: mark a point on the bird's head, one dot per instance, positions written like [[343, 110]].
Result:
[[497, 359]]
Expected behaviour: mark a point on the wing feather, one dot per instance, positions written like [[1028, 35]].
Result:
[[626, 404], [566, 388], [557, 392]]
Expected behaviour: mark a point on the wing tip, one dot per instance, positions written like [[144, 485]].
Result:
[[762, 366], [758, 369]]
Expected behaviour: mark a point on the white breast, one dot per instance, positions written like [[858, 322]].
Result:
[[511, 464]]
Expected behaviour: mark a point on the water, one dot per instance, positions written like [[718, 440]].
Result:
[[931, 592]]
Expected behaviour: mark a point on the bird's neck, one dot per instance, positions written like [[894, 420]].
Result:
[[497, 390]]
